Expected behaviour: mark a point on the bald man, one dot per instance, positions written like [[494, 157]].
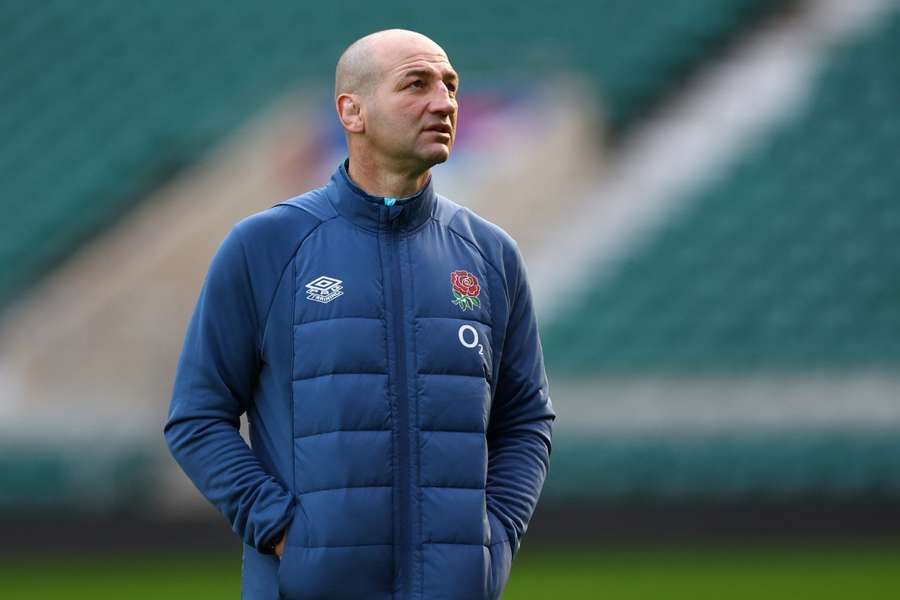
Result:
[[395, 94], [382, 341]]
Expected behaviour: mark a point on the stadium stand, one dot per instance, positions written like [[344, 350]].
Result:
[[789, 262], [151, 88]]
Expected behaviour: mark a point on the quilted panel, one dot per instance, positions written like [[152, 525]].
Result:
[[350, 401], [348, 516], [469, 566], [454, 402], [454, 515], [346, 345], [453, 458], [342, 459], [453, 346], [337, 573]]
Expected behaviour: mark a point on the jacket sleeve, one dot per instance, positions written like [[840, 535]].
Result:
[[521, 419], [214, 384]]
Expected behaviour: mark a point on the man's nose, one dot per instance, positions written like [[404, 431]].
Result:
[[442, 101]]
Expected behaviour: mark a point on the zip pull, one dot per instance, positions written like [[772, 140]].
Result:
[[393, 214]]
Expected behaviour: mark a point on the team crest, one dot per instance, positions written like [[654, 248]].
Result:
[[465, 290]]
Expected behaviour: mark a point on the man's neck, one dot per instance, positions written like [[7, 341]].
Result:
[[376, 180]]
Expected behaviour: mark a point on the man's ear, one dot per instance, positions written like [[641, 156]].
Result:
[[349, 111]]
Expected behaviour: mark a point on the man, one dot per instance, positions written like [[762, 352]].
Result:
[[382, 341]]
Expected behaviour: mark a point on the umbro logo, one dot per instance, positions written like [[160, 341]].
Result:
[[324, 289]]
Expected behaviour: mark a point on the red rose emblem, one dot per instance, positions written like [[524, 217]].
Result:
[[465, 290], [465, 283]]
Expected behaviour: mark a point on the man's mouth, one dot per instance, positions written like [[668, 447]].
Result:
[[440, 128]]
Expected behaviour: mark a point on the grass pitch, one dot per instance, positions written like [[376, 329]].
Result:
[[731, 572]]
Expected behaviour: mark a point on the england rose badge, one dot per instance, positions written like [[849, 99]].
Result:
[[465, 290]]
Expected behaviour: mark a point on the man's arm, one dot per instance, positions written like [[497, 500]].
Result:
[[521, 417], [214, 384]]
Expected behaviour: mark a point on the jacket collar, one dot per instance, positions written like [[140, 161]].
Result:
[[370, 212]]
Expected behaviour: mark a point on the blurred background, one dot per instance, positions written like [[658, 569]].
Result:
[[706, 193]]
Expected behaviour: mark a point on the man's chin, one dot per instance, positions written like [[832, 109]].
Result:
[[436, 155]]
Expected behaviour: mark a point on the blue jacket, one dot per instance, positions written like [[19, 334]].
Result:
[[389, 363]]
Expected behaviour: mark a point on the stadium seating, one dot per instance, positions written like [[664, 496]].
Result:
[[101, 103], [790, 261]]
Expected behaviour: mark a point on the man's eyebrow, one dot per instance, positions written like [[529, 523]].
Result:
[[426, 73]]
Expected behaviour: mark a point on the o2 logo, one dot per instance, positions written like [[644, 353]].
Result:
[[468, 337]]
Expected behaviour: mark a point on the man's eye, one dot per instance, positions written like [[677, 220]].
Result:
[[417, 83]]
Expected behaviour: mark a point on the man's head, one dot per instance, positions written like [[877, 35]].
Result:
[[395, 93]]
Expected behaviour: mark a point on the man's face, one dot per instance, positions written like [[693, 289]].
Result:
[[411, 112]]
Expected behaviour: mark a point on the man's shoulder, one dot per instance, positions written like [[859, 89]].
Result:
[[466, 223], [287, 222], [495, 243]]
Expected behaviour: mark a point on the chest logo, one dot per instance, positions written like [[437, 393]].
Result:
[[465, 289], [324, 289]]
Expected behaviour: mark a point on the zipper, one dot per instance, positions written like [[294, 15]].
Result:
[[402, 530]]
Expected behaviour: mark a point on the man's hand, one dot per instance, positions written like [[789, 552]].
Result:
[[279, 547]]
